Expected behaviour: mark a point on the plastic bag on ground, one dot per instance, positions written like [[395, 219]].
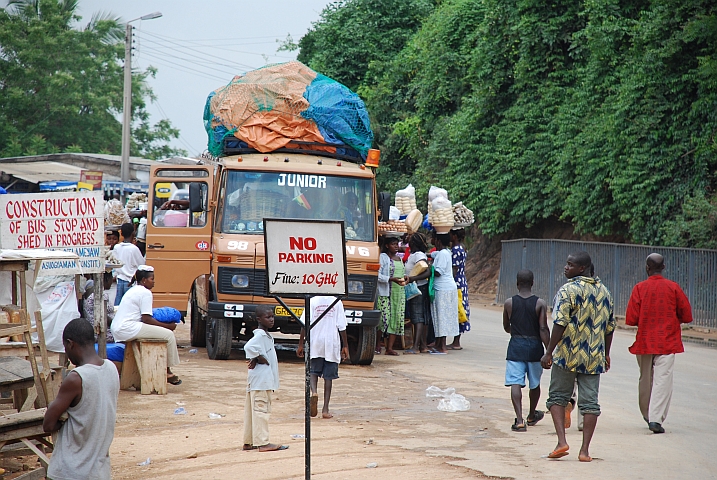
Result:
[[435, 392], [455, 403]]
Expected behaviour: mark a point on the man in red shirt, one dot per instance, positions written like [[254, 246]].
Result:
[[657, 307]]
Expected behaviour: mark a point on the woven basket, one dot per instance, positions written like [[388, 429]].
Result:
[[259, 204]]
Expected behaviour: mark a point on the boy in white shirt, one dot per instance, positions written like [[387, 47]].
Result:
[[127, 253], [326, 350], [261, 380]]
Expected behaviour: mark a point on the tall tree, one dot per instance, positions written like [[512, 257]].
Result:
[[353, 38], [61, 84]]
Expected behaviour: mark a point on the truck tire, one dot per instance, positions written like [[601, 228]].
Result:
[[197, 324], [219, 338], [362, 344]]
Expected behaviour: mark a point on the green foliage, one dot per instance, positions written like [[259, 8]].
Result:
[[61, 83], [696, 225], [352, 35], [601, 113]]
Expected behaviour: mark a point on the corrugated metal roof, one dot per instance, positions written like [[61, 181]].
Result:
[[36, 172]]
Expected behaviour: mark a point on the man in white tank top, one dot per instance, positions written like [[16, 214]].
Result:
[[89, 396]]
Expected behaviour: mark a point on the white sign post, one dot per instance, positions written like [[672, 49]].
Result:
[[67, 221], [305, 258]]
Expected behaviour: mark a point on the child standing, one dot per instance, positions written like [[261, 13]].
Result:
[[262, 379], [391, 296], [327, 336], [131, 258], [525, 319], [89, 396]]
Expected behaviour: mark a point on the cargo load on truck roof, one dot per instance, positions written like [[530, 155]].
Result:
[[287, 105]]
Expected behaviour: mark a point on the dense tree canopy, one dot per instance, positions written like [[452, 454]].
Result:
[[603, 114], [61, 84]]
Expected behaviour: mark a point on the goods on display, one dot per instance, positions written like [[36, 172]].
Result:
[[392, 226], [442, 212], [462, 215], [136, 199], [406, 200], [433, 194], [414, 220], [115, 213], [270, 107]]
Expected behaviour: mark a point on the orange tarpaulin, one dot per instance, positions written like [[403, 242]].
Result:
[[264, 107]]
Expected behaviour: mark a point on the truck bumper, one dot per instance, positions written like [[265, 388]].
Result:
[[364, 318]]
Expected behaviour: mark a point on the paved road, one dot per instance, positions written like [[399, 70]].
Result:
[[626, 449]]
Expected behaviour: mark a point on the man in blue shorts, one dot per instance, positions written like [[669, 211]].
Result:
[[329, 345], [525, 319]]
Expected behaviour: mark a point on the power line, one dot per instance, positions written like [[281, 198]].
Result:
[[173, 42], [181, 138], [196, 60], [192, 71]]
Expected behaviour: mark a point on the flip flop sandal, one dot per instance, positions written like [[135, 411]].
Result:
[[174, 380], [410, 351], [559, 452], [518, 428], [538, 417], [314, 405]]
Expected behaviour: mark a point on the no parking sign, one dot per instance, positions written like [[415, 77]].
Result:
[[305, 257]]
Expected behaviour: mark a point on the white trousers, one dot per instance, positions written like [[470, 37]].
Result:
[[655, 387], [153, 332], [257, 410]]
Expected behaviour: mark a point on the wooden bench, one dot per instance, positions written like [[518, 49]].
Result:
[[145, 366]]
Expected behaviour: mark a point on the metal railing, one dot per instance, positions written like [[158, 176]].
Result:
[[619, 266]]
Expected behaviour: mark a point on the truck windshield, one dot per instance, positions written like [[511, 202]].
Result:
[[249, 197]]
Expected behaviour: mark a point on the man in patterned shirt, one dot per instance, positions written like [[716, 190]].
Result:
[[582, 334]]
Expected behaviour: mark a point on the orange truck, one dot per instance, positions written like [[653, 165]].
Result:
[[205, 240]]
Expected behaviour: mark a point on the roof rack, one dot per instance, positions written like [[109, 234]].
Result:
[[351, 156]]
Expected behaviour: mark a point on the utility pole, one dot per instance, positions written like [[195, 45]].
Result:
[[127, 100]]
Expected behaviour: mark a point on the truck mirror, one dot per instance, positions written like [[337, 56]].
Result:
[[196, 198], [384, 204]]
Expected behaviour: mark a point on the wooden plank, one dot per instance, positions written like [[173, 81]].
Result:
[[99, 315], [153, 367], [14, 265], [38, 452], [17, 349], [30, 400], [19, 418], [130, 371], [46, 372], [23, 432], [19, 367], [41, 377], [37, 474], [10, 330]]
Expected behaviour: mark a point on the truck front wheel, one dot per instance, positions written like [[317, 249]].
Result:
[[197, 324], [362, 344], [219, 338]]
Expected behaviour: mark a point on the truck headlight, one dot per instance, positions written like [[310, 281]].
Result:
[[240, 281], [355, 287]]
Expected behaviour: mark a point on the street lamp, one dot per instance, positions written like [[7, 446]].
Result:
[[127, 104]]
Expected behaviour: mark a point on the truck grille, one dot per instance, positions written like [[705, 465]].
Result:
[[257, 283]]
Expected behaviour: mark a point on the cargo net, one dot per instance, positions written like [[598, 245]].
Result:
[[277, 105]]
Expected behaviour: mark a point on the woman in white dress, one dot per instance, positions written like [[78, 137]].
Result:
[[134, 320]]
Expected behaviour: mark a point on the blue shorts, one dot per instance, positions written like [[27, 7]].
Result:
[[515, 373], [324, 369], [122, 287]]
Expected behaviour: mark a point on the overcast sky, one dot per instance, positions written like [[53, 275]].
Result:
[[198, 46]]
